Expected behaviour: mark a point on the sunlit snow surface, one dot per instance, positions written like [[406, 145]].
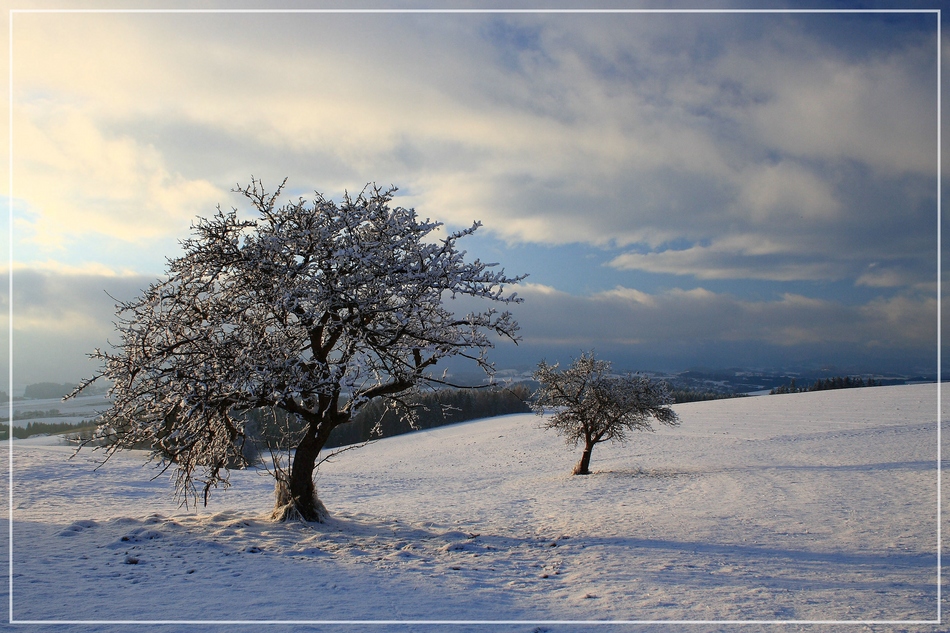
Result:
[[816, 506]]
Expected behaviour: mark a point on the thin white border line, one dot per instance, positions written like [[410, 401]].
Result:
[[939, 317], [11, 13], [459, 622], [487, 11], [10, 320]]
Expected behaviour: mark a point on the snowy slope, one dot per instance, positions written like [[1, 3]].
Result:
[[804, 507]]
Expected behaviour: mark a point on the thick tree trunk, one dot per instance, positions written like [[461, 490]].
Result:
[[583, 466], [297, 497]]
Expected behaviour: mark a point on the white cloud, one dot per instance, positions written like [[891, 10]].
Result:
[[631, 295], [876, 112], [76, 309], [886, 276], [911, 316], [60, 315], [539, 289], [736, 257], [785, 193], [85, 269], [76, 179], [598, 129]]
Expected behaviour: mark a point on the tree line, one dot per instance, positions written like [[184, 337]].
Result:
[[694, 395], [428, 410], [32, 415], [278, 430], [49, 428], [47, 390], [824, 384], [275, 429]]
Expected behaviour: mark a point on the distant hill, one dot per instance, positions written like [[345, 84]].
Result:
[[747, 381], [47, 390]]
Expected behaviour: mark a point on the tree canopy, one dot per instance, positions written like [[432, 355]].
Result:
[[591, 405], [310, 307]]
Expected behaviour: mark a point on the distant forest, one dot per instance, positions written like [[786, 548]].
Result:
[[268, 428], [47, 390], [824, 384], [426, 410], [49, 428], [693, 395]]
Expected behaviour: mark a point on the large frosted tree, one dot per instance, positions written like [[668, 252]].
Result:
[[312, 307], [587, 403]]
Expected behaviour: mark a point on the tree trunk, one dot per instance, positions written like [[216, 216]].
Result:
[[583, 466], [297, 497]]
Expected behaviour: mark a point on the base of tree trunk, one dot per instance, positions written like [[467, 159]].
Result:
[[583, 466], [286, 508]]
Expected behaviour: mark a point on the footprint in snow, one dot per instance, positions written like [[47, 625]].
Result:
[[140, 535], [455, 547], [76, 527]]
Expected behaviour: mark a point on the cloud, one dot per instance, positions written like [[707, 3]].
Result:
[[555, 129], [888, 276], [776, 193], [781, 148], [56, 268], [627, 295], [60, 317], [75, 179], [879, 111], [629, 322], [736, 257], [53, 301]]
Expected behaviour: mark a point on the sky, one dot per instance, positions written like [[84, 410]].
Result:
[[711, 189]]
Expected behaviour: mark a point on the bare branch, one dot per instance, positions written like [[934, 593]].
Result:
[[587, 403]]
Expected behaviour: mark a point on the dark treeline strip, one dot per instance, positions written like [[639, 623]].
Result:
[[824, 384], [431, 410], [53, 391], [279, 431], [48, 428], [692, 395], [427, 410], [32, 415]]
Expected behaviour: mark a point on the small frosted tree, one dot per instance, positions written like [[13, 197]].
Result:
[[312, 308], [591, 406]]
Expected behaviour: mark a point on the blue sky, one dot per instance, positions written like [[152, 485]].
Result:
[[711, 189]]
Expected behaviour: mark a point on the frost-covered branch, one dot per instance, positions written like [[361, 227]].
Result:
[[311, 307]]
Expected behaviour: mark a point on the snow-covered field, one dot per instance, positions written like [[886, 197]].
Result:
[[805, 507]]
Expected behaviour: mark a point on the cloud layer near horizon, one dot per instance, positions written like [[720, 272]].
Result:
[[61, 317]]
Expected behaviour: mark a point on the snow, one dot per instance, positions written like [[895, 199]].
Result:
[[803, 507]]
